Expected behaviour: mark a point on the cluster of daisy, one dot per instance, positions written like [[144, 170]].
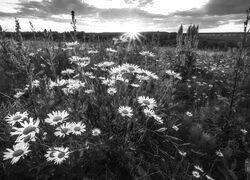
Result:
[[25, 128], [69, 85], [34, 84], [148, 105]]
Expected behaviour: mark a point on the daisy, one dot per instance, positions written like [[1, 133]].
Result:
[[149, 112], [56, 117], [27, 131], [19, 94], [60, 154], [126, 111], [196, 174], [182, 153], [111, 91], [146, 101], [209, 177], [135, 85], [158, 119], [19, 150], [198, 168], [63, 130], [96, 132], [176, 128], [17, 117], [132, 68], [189, 114], [219, 153], [78, 128], [68, 71], [50, 154], [89, 91]]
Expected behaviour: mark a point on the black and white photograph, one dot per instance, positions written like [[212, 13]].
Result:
[[124, 89]]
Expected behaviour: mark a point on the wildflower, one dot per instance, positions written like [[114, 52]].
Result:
[[78, 128], [68, 71], [158, 119], [96, 132], [19, 94], [176, 128], [63, 130], [132, 68], [142, 77], [219, 153], [60, 154], [189, 114], [209, 177], [111, 91], [58, 83], [110, 50], [27, 130], [196, 174], [105, 64], [147, 54], [56, 117], [17, 117], [135, 85], [162, 129], [182, 153], [149, 112], [174, 74], [125, 111], [89, 91], [243, 131], [19, 150], [146, 101], [50, 154], [92, 51], [35, 83], [198, 168], [71, 44]]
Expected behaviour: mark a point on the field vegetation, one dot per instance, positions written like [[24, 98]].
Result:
[[123, 109]]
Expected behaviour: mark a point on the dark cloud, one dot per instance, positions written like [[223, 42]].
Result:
[[213, 14]]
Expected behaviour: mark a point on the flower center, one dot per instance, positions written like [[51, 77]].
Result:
[[51, 154], [17, 117], [28, 129], [77, 128], [131, 68], [125, 111], [61, 155], [57, 118], [146, 102], [64, 130], [18, 152], [27, 138]]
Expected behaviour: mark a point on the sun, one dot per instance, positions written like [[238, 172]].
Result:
[[132, 32]]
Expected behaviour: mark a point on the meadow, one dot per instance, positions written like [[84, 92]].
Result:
[[123, 109]]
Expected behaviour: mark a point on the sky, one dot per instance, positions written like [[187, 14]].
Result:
[[124, 15]]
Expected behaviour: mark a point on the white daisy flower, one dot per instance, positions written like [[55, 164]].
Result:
[[149, 112], [50, 154], [135, 85], [63, 130], [19, 150], [68, 71], [182, 153], [158, 119], [17, 117], [89, 91], [77, 128], [27, 131], [198, 168], [219, 153], [189, 114], [125, 111], [60, 154], [111, 50], [147, 54], [209, 177], [196, 174], [56, 117], [243, 131], [19, 94], [35, 83], [146, 101], [176, 128], [111, 91], [96, 132]]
